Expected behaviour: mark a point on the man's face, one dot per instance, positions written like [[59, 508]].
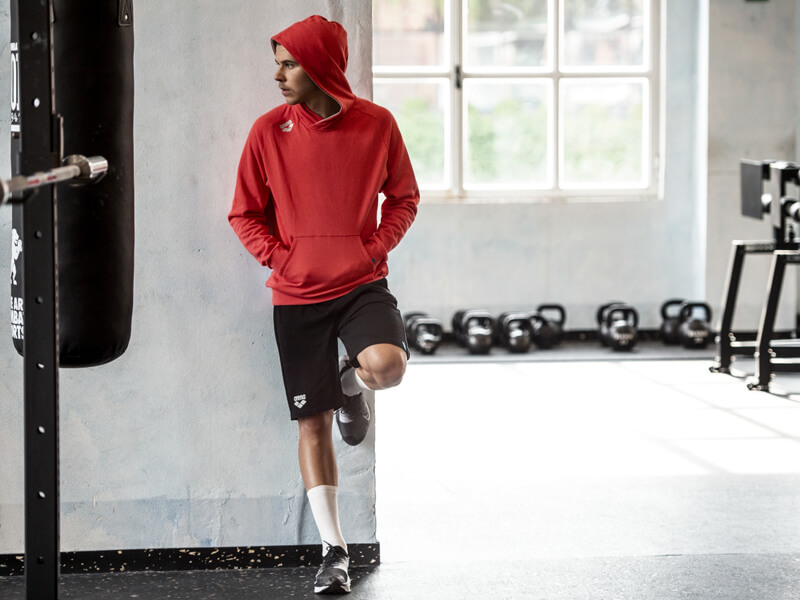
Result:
[[295, 84]]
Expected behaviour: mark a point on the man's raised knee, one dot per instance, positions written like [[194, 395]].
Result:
[[383, 364], [390, 370]]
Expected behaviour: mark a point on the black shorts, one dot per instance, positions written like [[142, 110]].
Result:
[[307, 337]]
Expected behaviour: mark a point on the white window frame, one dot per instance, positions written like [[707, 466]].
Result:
[[454, 72]]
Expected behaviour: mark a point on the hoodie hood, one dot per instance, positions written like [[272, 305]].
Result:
[[320, 46]]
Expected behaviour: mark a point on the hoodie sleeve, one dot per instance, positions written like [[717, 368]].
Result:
[[401, 195], [249, 215]]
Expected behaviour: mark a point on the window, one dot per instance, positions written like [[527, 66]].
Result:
[[522, 98]]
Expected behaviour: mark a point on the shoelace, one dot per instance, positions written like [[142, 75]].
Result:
[[350, 410], [333, 555]]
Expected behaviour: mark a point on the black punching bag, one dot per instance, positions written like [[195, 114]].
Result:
[[93, 73]]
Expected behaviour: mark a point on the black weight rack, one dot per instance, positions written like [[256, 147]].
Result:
[[771, 354], [38, 146]]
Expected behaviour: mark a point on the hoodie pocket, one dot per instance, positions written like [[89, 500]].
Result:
[[326, 261]]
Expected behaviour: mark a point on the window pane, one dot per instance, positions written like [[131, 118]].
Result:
[[506, 125], [419, 108], [408, 33], [603, 128], [603, 33], [506, 33]]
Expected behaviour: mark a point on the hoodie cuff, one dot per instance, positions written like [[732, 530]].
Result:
[[376, 250]]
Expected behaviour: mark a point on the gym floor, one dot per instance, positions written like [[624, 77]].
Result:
[[635, 476]]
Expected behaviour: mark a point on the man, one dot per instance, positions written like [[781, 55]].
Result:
[[306, 205]]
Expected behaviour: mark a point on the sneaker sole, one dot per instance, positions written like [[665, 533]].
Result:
[[335, 588]]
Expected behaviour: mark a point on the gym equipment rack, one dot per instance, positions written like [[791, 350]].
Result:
[[771, 355]]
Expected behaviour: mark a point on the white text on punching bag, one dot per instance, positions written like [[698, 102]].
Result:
[[17, 319]]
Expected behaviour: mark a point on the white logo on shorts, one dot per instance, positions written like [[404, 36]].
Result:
[[300, 400]]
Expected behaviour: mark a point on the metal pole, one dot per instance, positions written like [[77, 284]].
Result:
[[40, 141], [764, 352]]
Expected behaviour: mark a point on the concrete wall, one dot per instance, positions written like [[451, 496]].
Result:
[[185, 440]]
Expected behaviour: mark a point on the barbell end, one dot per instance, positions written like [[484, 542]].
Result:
[[91, 168]]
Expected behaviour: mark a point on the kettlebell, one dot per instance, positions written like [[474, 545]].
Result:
[[694, 332], [602, 327], [555, 324], [474, 330], [544, 333], [671, 321], [513, 331], [619, 326], [424, 333]]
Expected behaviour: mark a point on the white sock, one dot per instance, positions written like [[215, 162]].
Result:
[[325, 509], [352, 383]]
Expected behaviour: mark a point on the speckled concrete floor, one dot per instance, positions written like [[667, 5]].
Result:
[[575, 480], [754, 577]]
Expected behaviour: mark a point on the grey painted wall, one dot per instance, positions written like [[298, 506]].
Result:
[[752, 113], [185, 439]]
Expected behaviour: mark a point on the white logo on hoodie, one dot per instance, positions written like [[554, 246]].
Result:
[[287, 127]]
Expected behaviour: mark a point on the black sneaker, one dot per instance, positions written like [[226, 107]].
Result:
[[332, 577], [354, 417]]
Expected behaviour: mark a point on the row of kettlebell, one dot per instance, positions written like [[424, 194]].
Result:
[[478, 330], [516, 331], [684, 322]]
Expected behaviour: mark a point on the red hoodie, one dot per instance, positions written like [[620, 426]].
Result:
[[306, 199]]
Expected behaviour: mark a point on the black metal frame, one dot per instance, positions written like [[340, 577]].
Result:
[[728, 342], [40, 150], [771, 355]]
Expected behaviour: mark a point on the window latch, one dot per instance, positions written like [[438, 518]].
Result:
[[458, 77]]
